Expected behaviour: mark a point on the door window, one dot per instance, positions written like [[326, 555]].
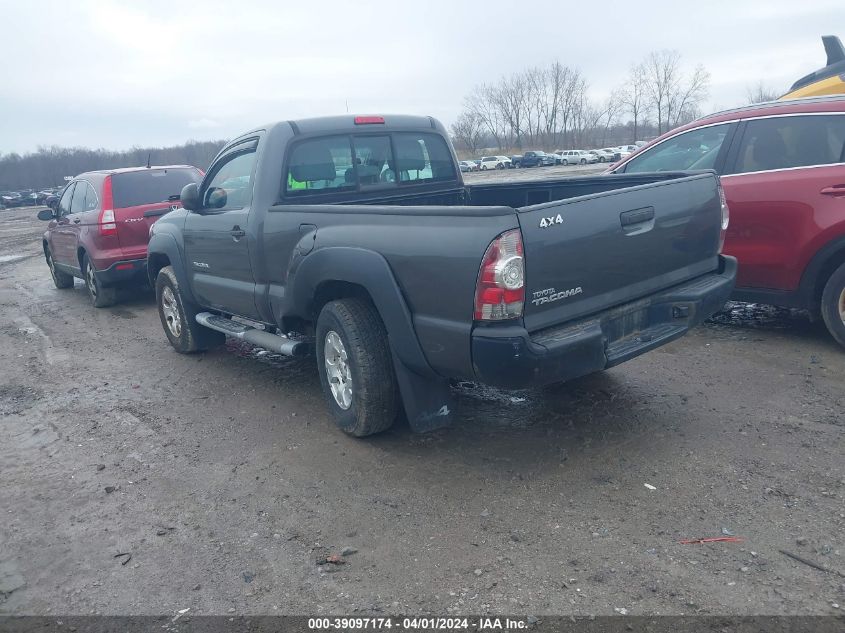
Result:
[[78, 203], [696, 149], [791, 141], [231, 185], [64, 203]]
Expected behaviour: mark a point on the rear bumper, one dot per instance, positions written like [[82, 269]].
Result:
[[129, 271], [511, 358]]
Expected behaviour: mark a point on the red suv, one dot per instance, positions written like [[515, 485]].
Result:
[[782, 166], [100, 224]]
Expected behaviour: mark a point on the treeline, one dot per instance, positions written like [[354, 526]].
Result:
[[551, 108], [48, 166]]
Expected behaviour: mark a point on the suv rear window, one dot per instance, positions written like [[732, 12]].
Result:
[[136, 188], [322, 164]]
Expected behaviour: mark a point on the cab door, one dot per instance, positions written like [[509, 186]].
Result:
[[217, 236], [62, 237], [785, 186]]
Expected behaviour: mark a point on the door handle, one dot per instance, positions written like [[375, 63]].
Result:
[[835, 190], [237, 232]]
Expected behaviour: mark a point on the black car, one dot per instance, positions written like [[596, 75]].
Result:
[[537, 159]]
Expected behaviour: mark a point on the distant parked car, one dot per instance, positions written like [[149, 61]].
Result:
[[782, 166], [100, 227], [516, 161], [614, 152], [467, 165], [603, 155], [537, 159], [494, 162], [577, 157], [557, 156]]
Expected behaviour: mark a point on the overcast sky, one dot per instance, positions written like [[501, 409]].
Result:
[[118, 74]]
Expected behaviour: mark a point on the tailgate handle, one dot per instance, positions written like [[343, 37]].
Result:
[[636, 216]]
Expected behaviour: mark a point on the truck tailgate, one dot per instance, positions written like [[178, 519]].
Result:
[[591, 253]]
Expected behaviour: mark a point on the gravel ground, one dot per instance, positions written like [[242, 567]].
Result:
[[223, 476]]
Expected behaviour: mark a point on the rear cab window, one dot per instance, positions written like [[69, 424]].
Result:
[[362, 162], [150, 186]]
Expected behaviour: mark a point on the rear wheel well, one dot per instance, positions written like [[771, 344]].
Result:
[[831, 264], [80, 254], [327, 291]]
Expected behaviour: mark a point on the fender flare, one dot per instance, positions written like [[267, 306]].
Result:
[[165, 244], [371, 271], [426, 396]]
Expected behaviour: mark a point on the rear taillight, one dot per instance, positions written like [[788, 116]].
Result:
[[500, 290], [726, 217], [106, 220]]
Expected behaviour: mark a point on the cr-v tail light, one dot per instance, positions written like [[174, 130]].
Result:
[[726, 216], [106, 220], [500, 290]]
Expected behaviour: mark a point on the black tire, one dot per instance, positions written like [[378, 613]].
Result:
[[833, 305], [500, 166], [565, 163], [100, 297], [583, 161], [61, 279], [178, 317], [373, 397], [484, 168], [601, 159]]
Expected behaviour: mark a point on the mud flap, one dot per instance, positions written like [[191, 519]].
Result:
[[428, 400]]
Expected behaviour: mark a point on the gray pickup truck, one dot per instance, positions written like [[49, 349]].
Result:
[[355, 238]]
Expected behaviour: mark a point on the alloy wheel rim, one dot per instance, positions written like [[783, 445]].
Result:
[[171, 312], [842, 306], [91, 280], [337, 370]]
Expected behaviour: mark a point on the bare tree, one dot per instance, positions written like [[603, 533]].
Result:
[[468, 129], [673, 97], [688, 93], [760, 93], [633, 96]]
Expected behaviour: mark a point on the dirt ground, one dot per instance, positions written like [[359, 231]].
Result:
[[223, 476]]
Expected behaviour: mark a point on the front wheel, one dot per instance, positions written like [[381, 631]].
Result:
[[356, 368], [565, 163], [178, 317], [833, 305], [583, 161], [100, 297], [601, 159]]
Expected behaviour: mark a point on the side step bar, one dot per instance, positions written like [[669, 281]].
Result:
[[271, 342]]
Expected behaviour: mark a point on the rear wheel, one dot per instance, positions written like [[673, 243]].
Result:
[[583, 161], [601, 159], [178, 317], [565, 162], [484, 168], [356, 368], [833, 305], [61, 279], [100, 297]]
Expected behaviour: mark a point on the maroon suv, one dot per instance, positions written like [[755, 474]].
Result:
[[782, 166], [99, 226]]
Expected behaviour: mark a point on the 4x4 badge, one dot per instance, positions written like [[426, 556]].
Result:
[[547, 222]]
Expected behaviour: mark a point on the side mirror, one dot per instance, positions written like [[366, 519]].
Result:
[[52, 202], [46, 215], [190, 197]]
